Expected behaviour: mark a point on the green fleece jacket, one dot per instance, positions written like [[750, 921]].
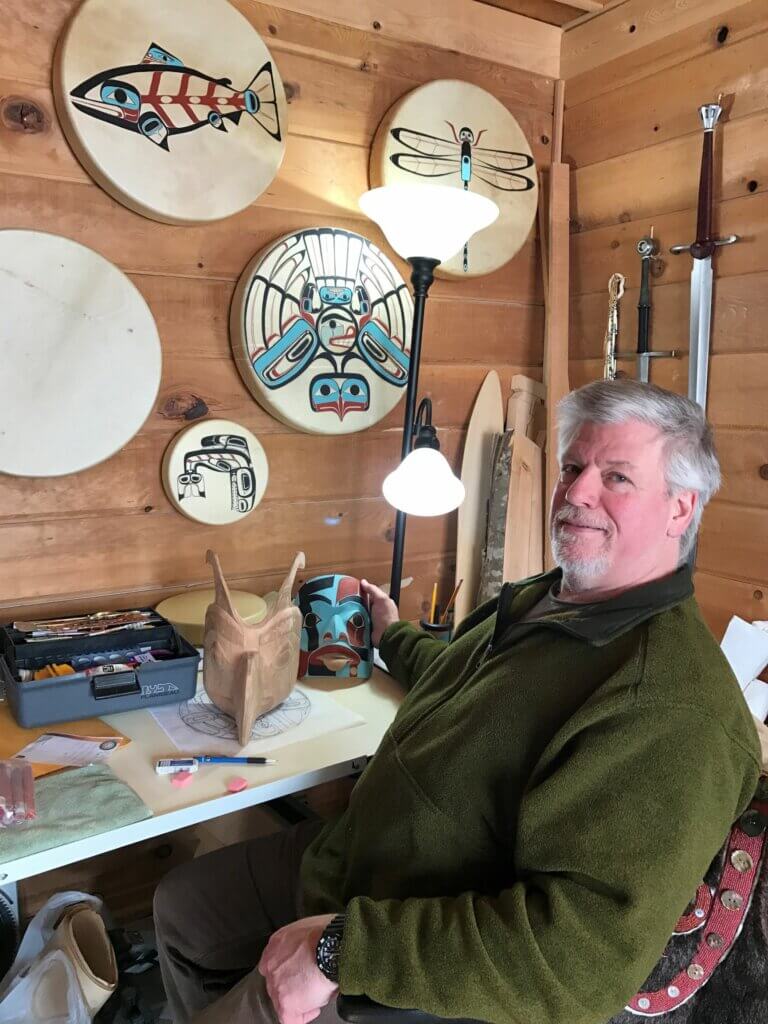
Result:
[[541, 810]]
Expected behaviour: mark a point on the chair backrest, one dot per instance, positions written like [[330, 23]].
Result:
[[717, 957]]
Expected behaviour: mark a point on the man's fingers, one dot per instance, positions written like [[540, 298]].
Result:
[[310, 1015]]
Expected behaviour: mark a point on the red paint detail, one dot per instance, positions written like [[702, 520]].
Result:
[[726, 923], [348, 587], [690, 922]]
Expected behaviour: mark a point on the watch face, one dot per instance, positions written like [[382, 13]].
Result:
[[328, 955]]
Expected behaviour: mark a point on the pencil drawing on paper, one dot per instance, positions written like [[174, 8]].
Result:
[[201, 716]]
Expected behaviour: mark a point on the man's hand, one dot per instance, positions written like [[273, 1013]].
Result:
[[383, 609], [295, 984]]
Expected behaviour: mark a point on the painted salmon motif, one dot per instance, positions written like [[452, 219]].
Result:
[[162, 97]]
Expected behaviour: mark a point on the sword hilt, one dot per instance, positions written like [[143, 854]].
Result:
[[728, 240]]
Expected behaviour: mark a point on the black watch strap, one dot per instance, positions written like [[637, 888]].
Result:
[[329, 948]]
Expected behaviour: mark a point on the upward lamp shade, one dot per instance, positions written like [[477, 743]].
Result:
[[430, 221]]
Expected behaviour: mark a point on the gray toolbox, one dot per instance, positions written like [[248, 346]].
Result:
[[82, 695]]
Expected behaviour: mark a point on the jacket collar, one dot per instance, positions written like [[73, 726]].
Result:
[[596, 623]]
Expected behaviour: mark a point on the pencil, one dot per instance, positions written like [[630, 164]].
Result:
[[434, 602], [451, 599]]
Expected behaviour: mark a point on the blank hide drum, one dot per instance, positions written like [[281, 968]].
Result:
[[79, 352]]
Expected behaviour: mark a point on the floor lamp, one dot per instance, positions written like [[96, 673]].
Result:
[[425, 225]]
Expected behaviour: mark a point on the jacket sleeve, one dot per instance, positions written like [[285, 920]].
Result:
[[613, 837], [408, 652]]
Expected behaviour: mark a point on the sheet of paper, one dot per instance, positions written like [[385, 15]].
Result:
[[746, 648], [198, 727], [52, 748], [13, 737], [756, 696]]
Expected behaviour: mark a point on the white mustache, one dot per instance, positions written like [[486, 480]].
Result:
[[577, 518]]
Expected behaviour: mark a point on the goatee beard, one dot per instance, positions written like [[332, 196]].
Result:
[[579, 573]]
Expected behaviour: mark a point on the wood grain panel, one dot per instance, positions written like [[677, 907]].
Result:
[[720, 598], [218, 250], [742, 453], [706, 36], [733, 542], [193, 321], [29, 38], [122, 551], [449, 25], [664, 178], [739, 316], [648, 112], [298, 471], [627, 29], [595, 255], [737, 385], [452, 389]]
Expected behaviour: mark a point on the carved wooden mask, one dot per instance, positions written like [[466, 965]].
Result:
[[249, 669]]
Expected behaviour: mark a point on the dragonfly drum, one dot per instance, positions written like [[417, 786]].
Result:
[[454, 133]]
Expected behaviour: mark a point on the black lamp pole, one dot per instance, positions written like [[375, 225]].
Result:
[[422, 276]]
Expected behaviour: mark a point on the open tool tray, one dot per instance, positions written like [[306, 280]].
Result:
[[66, 698]]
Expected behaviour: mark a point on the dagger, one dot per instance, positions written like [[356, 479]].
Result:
[[702, 250], [647, 248]]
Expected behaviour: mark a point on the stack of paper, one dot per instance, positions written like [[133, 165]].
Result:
[[745, 645]]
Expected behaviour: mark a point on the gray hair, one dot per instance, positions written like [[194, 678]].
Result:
[[690, 456]]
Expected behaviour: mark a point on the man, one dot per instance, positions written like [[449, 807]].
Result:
[[549, 796]]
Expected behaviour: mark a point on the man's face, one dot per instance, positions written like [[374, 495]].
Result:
[[612, 522]]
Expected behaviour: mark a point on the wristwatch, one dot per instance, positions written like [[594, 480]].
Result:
[[329, 948]]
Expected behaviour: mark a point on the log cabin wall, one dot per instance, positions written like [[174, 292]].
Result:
[[108, 537], [635, 77]]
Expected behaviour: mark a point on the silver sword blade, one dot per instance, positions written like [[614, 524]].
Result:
[[643, 367], [701, 312]]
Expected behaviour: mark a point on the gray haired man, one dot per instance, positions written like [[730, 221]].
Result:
[[554, 786]]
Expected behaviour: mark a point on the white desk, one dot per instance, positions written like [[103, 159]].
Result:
[[299, 767]]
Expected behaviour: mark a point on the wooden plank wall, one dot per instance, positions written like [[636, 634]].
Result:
[[108, 537], [635, 77]]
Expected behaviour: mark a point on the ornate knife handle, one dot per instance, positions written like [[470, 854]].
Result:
[[615, 292]]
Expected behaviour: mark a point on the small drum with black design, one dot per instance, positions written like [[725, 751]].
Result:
[[215, 472]]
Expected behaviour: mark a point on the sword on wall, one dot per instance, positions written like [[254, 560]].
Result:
[[702, 250], [647, 249]]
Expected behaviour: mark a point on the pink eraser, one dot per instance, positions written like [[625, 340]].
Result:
[[237, 784], [181, 779]]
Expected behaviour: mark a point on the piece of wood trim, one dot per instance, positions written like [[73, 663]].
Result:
[[459, 25], [523, 549], [558, 110], [556, 329]]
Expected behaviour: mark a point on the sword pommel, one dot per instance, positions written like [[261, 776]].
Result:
[[647, 247], [710, 115]]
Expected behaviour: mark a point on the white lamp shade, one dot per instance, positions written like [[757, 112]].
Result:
[[432, 221], [423, 485]]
